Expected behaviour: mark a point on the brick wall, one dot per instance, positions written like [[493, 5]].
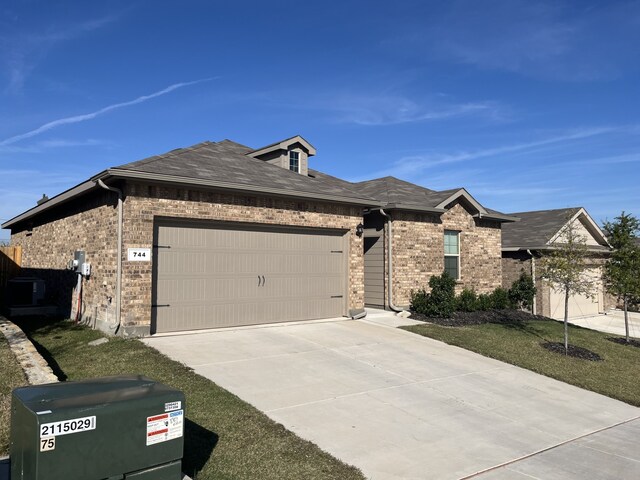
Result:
[[49, 243], [418, 251], [145, 202]]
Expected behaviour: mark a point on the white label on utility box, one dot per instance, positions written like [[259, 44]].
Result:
[[47, 443], [139, 254], [169, 407], [67, 427], [165, 427]]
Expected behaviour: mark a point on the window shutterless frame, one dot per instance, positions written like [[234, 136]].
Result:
[[452, 253], [294, 161]]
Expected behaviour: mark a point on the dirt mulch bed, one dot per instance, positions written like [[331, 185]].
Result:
[[632, 342], [573, 351], [461, 319]]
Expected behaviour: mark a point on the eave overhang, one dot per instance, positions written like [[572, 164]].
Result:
[[548, 248], [64, 197], [122, 174], [497, 217]]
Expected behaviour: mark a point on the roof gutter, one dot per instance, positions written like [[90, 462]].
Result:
[[390, 262], [58, 199], [119, 265], [590, 248], [413, 208], [533, 276], [497, 217]]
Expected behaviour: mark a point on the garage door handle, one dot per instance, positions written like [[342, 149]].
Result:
[[158, 306], [263, 280], [259, 284]]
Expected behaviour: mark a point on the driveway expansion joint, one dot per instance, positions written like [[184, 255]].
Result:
[[566, 442]]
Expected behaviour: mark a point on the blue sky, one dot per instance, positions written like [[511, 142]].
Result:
[[529, 105]]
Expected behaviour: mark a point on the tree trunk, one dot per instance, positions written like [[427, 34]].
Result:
[[626, 319], [566, 321]]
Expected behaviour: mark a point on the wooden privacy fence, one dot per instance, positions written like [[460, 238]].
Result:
[[10, 261]]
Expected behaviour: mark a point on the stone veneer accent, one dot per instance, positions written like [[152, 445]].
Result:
[[146, 202], [418, 251]]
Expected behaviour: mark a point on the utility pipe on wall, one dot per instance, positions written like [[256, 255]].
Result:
[[533, 277], [390, 261], [119, 267]]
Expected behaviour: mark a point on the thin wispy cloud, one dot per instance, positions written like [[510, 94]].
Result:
[[20, 51], [544, 39], [47, 145], [394, 110], [90, 116], [417, 163]]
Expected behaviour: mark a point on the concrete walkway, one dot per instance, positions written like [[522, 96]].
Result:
[[400, 406], [611, 322]]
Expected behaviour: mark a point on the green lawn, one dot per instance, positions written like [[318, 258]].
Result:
[[11, 376], [519, 344], [226, 438]]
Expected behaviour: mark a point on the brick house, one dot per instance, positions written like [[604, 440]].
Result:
[[220, 234], [430, 231], [534, 236]]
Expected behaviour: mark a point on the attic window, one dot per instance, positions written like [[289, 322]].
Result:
[[294, 161]]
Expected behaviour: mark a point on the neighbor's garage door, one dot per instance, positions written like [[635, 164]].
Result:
[[221, 276], [580, 305]]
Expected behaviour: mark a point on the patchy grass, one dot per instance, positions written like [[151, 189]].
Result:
[[225, 437], [520, 343], [11, 376]]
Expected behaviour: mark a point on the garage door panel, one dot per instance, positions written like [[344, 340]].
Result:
[[579, 305], [216, 277]]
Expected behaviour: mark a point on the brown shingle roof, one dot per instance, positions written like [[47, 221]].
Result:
[[535, 228], [227, 162]]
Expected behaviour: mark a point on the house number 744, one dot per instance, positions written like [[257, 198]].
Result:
[[139, 255]]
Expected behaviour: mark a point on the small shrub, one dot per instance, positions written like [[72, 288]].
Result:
[[442, 299], [522, 292], [467, 301], [419, 301], [440, 302], [484, 302], [500, 299]]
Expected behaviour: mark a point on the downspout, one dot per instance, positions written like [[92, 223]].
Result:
[[390, 261], [533, 277], [119, 267]]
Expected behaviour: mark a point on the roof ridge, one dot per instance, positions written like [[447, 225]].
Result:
[[169, 154], [548, 210]]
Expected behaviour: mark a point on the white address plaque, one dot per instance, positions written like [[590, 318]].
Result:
[[139, 254]]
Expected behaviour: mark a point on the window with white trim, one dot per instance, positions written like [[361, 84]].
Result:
[[294, 161], [452, 253]]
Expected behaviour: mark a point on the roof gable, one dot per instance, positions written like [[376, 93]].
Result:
[[542, 228], [284, 145], [402, 195]]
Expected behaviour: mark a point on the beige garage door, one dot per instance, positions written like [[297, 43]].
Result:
[[580, 305], [209, 276]]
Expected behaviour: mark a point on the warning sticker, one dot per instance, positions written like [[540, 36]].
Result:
[[165, 427]]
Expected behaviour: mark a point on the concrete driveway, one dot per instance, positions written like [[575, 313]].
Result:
[[611, 322], [400, 406]]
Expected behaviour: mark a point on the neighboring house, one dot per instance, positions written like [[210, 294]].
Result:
[[430, 231], [533, 237], [219, 234]]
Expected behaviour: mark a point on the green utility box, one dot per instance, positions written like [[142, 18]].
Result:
[[127, 427]]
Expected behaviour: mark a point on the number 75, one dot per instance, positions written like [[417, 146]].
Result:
[[47, 444]]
